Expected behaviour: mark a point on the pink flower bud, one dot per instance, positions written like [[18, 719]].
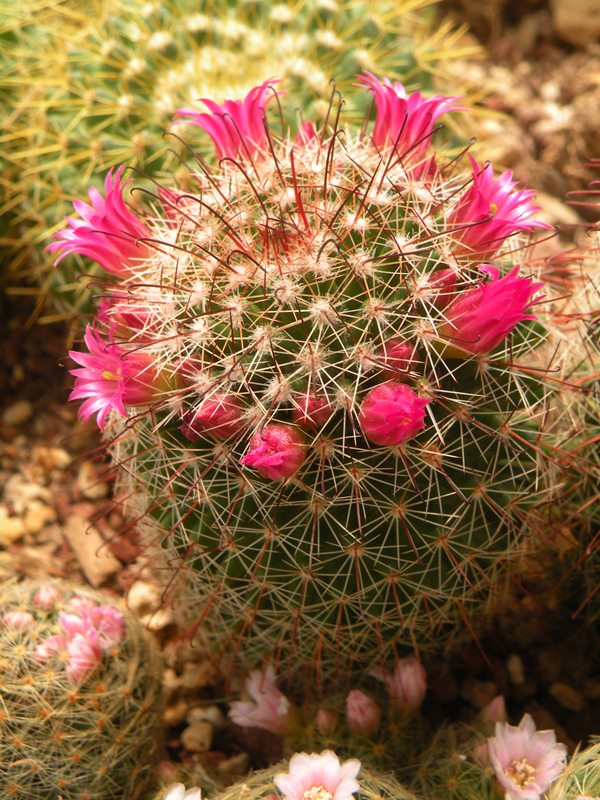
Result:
[[268, 708], [398, 358], [442, 284], [363, 715], [479, 319], [326, 721], [391, 413], [481, 755], [18, 620], [108, 623], [46, 597], [73, 624], [48, 647], [406, 686], [495, 711], [219, 415], [311, 410], [84, 654], [276, 452]]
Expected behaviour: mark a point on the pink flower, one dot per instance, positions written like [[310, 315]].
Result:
[[391, 413], [84, 654], [46, 597], [319, 776], [311, 410], [18, 620], [48, 647], [490, 211], [79, 603], [495, 711], [363, 715], [406, 686], [307, 137], [237, 127], [398, 358], [442, 285], [526, 761], [404, 122], [479, 319], [220, 416], [178, 792], [113, 378], [72, 624], [326, 721], [269, 708], [107, 231], [109, 624], [276, 452]]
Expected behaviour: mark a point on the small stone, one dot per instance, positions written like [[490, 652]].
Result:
[[89, 482], [576, 21], [236, 765], [170, 681], [515, 669], [18, 413], [567, 696], [196, 675], [11, 529], [591, 689], [96, 560], [38, 516], [197, 738], [175, 714], [50, 458], [144, 598], [212, 714], [158, 620], [478, 693]]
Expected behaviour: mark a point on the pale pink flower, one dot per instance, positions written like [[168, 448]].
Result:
[[495, 711], [48, 647], [84, 654], [220, 415], [108, 622], [72, 624], [490, 211], [405, 122], [107, 231], [363, 715], [237, 127], [319, 776], [79, 603], [391, 413], [46, 597], [18, 620], [398, 358], [178, 792], [276, 452], [111, 378], [268, 708], [311, 410], [526, 761], [481, 318], [406, 685], [326, 721]]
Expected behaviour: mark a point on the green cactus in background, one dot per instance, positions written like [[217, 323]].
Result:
[[87, 88], [80, 689], [341, 427]]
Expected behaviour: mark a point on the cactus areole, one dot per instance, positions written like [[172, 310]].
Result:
[[325, 505]]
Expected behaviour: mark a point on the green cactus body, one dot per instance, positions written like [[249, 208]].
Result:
[[288, 275], [87, 91], [93, 738], [581, 778]]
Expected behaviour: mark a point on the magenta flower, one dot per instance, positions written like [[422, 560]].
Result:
[[108, 623], [490, 211], [311, 410], [268, 708], [112, 378], [107, 231], [237, 127], [18, 620], [406, 685], [479, 319], [391, 413], [526, 761], [276, 452], [363, 715], [404, 122], [220, 416], [398, 358], [46, 597], [319, 776]]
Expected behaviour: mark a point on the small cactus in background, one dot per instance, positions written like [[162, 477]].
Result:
[[80, 688], [335, 415], [88, 88]]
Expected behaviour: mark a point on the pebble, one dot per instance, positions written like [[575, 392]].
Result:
[[158, 620], [144, 598], [211, 714], [515, 669], [478, 693], [175, 714], [11, 529], [95, 559], [196, 676], [18, 413], [89, 482], [236, 765], [567, 696], [197, 738], [38, 516]]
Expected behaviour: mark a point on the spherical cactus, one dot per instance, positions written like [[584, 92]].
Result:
[[383, 514], [88, 88], [581, 778], [80, 688]]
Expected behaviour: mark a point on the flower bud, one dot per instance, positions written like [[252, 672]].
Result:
[[18, 620], [326, 721], [363, 715], [46, 597], [311, 410], [276, 452], [495, 711], [406, 686], [391, 413], [219, 415], [398, 358]]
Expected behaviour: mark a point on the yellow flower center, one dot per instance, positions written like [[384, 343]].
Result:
[[317, 793], [109, 376], [521, 773], [493, 208]]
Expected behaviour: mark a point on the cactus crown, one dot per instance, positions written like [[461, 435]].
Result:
[[325, 440]]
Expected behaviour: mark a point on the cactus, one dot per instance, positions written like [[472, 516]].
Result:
[[80, 687], [341, 427], [86, 90], [581, 779]]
